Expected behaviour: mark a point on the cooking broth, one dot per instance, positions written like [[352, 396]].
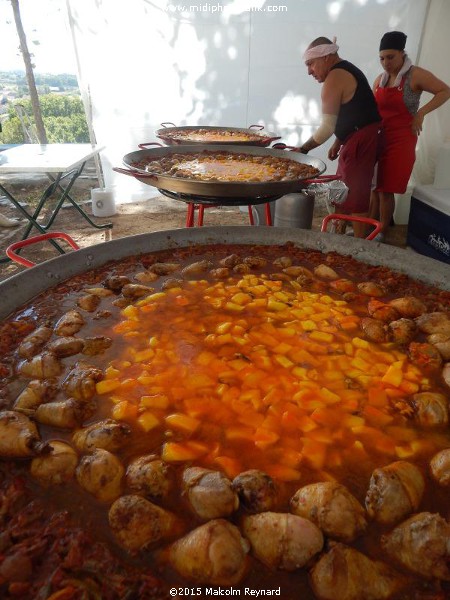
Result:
[[257, 367]]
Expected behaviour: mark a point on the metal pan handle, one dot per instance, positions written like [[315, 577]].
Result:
[[132, 173], [283, 146], [167, 123], [10, 250], [145, 144], [340, 217], [260, 127], [324, 178]]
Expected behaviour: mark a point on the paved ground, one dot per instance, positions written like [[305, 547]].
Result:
[[156, 214]]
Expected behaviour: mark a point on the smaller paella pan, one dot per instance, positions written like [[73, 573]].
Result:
[[254, 135]]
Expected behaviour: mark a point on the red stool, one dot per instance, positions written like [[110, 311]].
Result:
[[192, 207]]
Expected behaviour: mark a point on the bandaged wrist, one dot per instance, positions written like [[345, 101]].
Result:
[[326, 129]]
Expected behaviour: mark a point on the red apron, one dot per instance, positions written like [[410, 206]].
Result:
[[399, 151]]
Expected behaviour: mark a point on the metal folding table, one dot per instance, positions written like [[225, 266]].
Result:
[[62, 164]]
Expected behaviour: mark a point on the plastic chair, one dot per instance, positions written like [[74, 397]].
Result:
[[11, 250], [367, 220]]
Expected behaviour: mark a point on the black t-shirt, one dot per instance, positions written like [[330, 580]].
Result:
[[361, 110]]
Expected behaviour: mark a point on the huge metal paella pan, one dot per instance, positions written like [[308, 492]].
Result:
[[286, 308], [226, 191]]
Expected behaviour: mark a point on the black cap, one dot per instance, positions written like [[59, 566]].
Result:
[[393, 40]]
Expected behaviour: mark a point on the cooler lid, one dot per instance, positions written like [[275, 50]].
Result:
[[436, 198]]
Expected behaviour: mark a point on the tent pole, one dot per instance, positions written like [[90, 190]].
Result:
[[86, 97], [422, 33]]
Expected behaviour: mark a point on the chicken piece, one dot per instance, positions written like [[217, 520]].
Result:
[[200, 266], [381, 311], [435, 322], [66, 414], [101, 474], [170, 283], [342, 285], [37, 392], [116, 283], [402, 331], [369, 288], [34, 342], [81, 380], [122, 302], [230, 261], [344, 573], [41, 366], [332, 508], [146, 277], [134, 291], [214, 553], [424, 355], [284, 277], [151, 476], [66, 346], [422, 545], [88, 302], [283, 262], [220, 273], [69, 323], [56, 467], [440, 467], [297, 271], [96, 345], [255, 262], [374, 330], [281, 540], [164, 268], [325, 272], [441, 341], [19, 437], [446, 373], [109, 435], [242, 269], [138, 524], [210, 493], [409, 306], [395, 491], [256, 490], [431, 409], [16, 568], [101, 292]]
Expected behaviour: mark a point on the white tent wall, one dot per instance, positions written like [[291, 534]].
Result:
[[434, 55], [142, 62]]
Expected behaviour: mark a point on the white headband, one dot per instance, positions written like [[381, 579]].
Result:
[[320, 51]]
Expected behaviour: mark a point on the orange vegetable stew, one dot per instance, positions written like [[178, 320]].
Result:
[[289, 405]]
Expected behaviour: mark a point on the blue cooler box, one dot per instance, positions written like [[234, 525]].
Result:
[[429, 222]]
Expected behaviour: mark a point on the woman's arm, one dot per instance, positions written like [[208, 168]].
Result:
[[424, 81], [376, 83]]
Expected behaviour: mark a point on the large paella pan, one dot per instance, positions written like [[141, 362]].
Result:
[[254, 172], [222, 410]]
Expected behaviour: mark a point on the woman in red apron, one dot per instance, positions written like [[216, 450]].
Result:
[[397, 93]]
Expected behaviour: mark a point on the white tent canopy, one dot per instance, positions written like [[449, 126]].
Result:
[[236, 63]]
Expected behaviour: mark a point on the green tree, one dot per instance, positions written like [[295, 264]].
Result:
[[63, 116]]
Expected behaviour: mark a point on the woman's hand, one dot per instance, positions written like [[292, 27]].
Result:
[[333, 152], [417, 123]]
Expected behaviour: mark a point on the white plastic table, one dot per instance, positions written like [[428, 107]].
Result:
[[63, 164]]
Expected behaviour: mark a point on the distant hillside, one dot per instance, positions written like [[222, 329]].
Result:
[[63, 81]]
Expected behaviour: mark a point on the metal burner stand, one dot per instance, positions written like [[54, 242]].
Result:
[[201, 202]]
